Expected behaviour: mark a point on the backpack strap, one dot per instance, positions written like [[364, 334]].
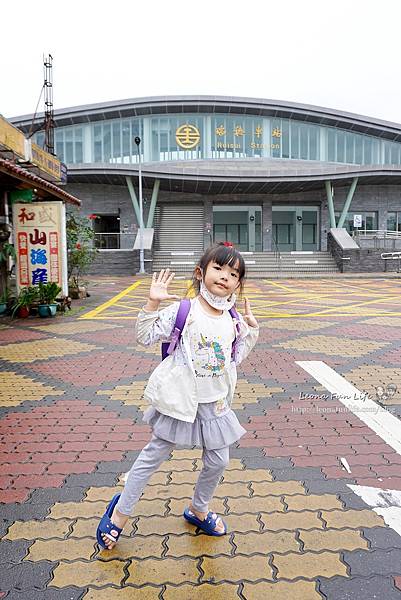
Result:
[[183, 311], [234, 314]]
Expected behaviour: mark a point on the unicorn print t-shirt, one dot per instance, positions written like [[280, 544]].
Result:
[[211, 340]]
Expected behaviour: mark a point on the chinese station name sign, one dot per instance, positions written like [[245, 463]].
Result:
[[188, 137], [40, 243]]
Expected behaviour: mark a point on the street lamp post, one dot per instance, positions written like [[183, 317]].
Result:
[[141, 251]]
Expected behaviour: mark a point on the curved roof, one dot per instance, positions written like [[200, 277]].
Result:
[[135, 107], [251, 175]]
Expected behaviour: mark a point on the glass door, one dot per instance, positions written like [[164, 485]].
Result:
[[241, 225], [295, 228], [309, 229], [284, 230]]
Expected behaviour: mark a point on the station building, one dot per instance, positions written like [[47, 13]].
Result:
[[267, 175]]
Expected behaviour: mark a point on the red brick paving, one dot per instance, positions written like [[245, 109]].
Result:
[[54, 442], [96, 368]]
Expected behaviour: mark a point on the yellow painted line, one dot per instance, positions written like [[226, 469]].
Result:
[[95, 312], [279, 285], [305, 315], [349, 285], [358, 304]]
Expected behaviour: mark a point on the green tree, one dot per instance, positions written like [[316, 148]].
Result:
[[80, 250]]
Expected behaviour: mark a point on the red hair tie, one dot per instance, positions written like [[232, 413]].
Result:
[[228, 244]]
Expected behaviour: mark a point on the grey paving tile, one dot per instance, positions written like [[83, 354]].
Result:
[[27, 575], [24, 512], [13, 551], [95, 479], [328, 486], [264, 462], [69, 593], [382, 537], [52, 495], [298, 473], [357, 588], [377, 562]]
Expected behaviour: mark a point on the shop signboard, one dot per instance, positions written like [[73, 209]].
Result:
[[40, 243]]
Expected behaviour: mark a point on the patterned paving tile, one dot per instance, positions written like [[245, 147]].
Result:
[[332, 345], [16, 388], [11, 335], [72, 327], [85, 371], [28, 352]]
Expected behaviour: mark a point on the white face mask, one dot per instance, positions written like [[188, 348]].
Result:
[[217, 302]]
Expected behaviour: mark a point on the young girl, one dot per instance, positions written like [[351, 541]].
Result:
[[191, 390]]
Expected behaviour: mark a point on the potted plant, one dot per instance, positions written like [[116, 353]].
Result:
[[48, 293], [25, 298]]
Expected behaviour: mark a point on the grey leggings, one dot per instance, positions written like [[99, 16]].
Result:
[[152, 456]]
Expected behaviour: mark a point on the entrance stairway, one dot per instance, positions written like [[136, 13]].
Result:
[[259, 264]]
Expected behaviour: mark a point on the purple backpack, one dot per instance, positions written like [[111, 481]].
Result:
[[183, 310]]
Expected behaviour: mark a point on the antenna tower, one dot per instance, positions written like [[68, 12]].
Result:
[[49, 110]]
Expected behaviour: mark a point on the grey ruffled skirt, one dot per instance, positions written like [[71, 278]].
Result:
[[212, 429]]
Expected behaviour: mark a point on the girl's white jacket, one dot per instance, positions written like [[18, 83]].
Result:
[[171, 388]]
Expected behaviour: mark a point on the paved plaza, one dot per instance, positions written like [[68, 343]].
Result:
[[312, 495]]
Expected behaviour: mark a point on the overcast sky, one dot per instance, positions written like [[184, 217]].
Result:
[[342, 54]]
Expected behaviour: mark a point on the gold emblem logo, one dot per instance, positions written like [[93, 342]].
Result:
[[187, 136]]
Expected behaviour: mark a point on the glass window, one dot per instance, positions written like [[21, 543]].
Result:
[[116, 141], [69, 147], [285, 138], [313, 143], [349, 147], [97, 143], [331, 145], [231, 136], [78, 158], [340, 146], [106, 142], [126, 138], [391, 221], [276, 137], [295, 151], [304, 142], [369, 220], [358, 149], [367, 151], [59, 141]]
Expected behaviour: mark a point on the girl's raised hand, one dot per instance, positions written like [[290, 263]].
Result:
[[248, 316], [159, 286]]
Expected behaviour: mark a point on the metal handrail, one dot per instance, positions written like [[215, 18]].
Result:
[[391, 256], [112, 241], [277, 253], [382, 233]]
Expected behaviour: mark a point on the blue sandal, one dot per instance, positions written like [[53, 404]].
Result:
[[208, 525], [106, 526]]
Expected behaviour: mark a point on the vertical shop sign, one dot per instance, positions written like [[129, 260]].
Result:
[[41, 243]]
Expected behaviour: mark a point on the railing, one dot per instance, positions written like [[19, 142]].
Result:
[[391, 256], [276, 250], [114, 241], [381, 238]]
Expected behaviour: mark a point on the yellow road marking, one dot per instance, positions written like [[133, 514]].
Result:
[[96, 311]]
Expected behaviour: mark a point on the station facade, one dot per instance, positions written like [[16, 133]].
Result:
[[263, 174]]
